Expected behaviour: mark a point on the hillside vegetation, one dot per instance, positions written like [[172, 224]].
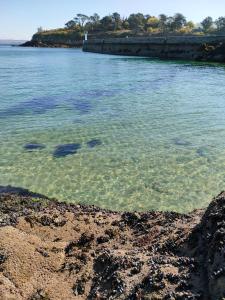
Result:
[[114, 25]]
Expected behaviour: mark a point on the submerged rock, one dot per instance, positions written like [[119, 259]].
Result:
[[181, 142], [33, 106], [83, 106], [202, 152], [33, 146], [94, 143], [19, 192], [66, 149], [99, 93]]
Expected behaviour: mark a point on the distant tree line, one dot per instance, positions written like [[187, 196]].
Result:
[[145, 23]]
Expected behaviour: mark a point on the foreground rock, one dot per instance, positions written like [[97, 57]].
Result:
[[52, 250]]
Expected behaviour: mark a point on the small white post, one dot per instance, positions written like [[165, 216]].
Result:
[[86, 36]]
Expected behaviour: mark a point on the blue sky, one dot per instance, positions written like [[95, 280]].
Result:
[[19, 19]]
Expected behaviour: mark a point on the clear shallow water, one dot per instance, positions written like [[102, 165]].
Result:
[[145, 134]]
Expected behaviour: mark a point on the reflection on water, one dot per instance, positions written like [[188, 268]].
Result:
[[117, 132]]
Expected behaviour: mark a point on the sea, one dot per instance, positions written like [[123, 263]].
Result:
[[122, 133]]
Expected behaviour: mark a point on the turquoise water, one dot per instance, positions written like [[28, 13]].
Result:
[[117, 132]]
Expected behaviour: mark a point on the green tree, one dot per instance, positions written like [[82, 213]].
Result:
[[117, 21], [141, 22], [94, 22], [207, 24], [125, 24], [220, 23], [71, 24], [107, 23], [178, 22], [190, 25], [81, 20], [163, 26], [187, 29], [137, 21], [170, 24], [153, 22], [95, 18]]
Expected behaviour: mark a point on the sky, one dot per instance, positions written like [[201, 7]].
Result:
[[19, 19]]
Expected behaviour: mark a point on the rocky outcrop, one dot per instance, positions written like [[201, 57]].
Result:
[[206, 48], [210, 247], [46, 44], [70, 38], [60, 38], [53, 250]]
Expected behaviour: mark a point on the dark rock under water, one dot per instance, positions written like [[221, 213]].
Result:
[[181, 142], [94, 143], [66, 149], [98, 93], [19, 192], [202, 152], [33, 146], [83, 106], [33, 106]]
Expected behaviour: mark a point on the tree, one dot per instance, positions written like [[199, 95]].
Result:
[[188, 28], [117, 21], [153, 22], [71, 24], [95, 18], [125, 24], [170, 24], [81, 20], [163, 23], [178, 22], [207, 24], [220, 23], [190, 25], [136, 21], [107, 23], [140, 22], [94, 22]]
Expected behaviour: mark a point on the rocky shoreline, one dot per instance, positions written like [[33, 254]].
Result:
[[53, 250], [44, 44], [193, 48]]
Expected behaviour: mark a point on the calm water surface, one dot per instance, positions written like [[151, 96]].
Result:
[[117, 132]]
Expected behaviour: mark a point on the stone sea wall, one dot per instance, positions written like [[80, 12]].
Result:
[[205, 48]]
